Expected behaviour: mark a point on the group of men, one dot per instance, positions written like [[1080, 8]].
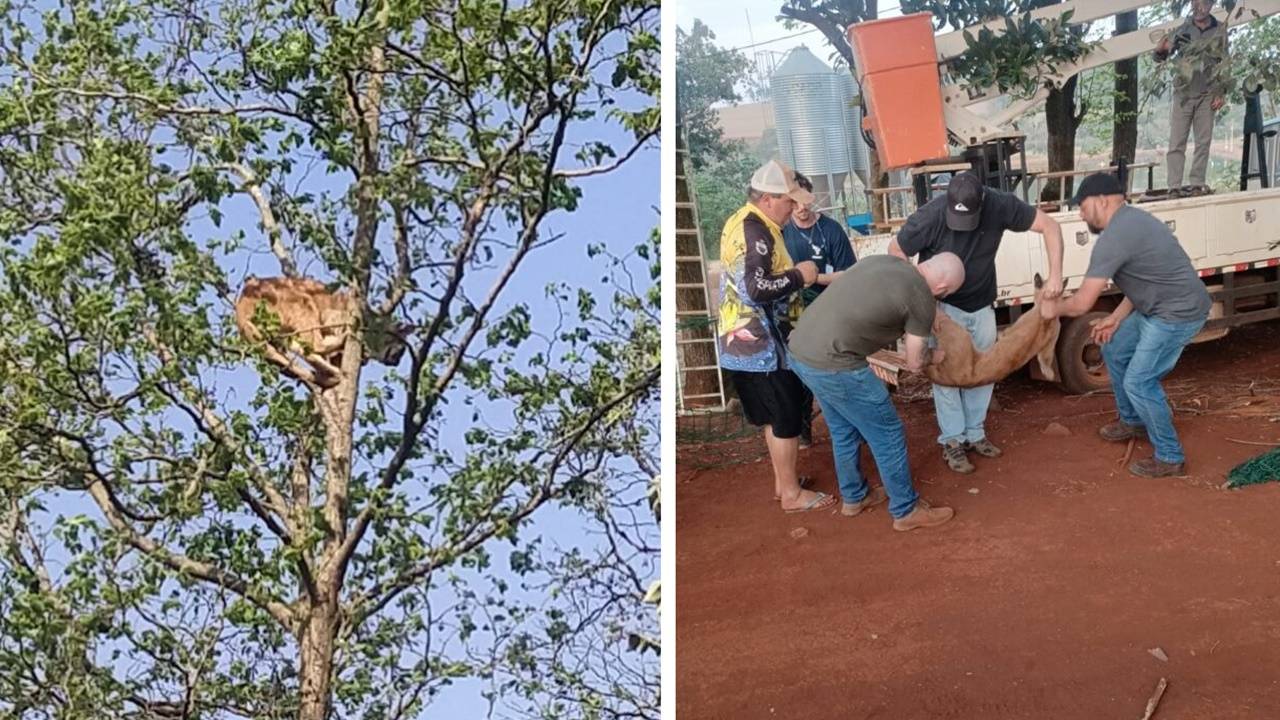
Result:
[[800, 315], [781, 352]]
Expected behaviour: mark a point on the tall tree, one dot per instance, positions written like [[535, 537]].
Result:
[[184, 537], [1062, 115], [706, 74], [833, 18], [1124, 137]]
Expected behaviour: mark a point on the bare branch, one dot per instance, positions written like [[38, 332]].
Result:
[[163, 109], [602, 169], [254, 187], [216, 429], [399, 284]]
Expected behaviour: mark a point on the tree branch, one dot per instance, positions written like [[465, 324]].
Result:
[[827, 24], [183, 564], [601, 169], [269, 224], [384, 592], [415, 416], [400, 284], [174, 109]]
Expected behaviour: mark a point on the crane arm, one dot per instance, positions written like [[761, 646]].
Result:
[[970, 127]]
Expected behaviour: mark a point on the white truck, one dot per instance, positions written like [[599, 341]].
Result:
[[1233, 238]]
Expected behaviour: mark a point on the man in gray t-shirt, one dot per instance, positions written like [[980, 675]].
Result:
[[1165, 304]]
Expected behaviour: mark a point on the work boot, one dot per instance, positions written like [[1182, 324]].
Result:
[[874, 496], [1153, 468], [1119, 431], [985, 448], [923, 516], [953, 453]]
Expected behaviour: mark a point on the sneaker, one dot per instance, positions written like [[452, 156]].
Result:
[[1119, 431], [985, 448], [1153, 468], [953, 453], [923, 516], [874, 496]]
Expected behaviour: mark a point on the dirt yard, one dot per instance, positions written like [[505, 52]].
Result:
[[1043, 598]]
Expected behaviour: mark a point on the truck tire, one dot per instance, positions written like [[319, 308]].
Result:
[[1079, 358]]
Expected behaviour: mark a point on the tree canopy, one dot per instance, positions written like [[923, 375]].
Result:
[[706, 75]]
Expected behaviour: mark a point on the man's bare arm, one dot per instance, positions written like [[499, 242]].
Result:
[[919, 354]]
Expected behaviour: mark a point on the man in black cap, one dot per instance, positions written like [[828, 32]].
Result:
[[1165, 304], [970, 221]]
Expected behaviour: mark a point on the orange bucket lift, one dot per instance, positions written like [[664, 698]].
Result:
[[897, 67]]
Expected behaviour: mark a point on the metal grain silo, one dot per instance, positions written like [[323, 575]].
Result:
[[817, 125]]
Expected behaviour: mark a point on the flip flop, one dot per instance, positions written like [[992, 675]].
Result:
[[806, 482], [816, 504]]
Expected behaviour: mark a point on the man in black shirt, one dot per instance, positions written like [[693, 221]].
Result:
[[970, 221]]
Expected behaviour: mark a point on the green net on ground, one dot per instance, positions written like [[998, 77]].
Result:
[[713, 427], [1264, 468]]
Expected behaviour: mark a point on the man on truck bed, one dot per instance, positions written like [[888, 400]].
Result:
[[1198, 98], [1139, 253], [970, 221]]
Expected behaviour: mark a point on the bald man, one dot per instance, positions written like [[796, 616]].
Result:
[[869, 306]]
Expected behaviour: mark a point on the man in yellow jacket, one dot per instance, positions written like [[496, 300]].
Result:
[[760, 302]]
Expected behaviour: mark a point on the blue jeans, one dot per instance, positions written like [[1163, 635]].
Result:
[[857, 407], [962, 412], [1143, 350]]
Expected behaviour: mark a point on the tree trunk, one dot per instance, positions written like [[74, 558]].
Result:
[[315, 667], [1061, 121], [1124, 138], [879, 179]]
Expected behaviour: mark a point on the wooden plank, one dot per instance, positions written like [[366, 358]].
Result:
[[940, 168]]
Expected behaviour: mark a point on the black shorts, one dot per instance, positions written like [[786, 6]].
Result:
[[774, 398]]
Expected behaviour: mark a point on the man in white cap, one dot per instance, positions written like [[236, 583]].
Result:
[[759, 304]]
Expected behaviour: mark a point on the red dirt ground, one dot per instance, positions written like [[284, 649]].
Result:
[[1039, 600]]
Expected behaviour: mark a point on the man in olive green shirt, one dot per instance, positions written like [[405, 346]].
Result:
[[868, 307]]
